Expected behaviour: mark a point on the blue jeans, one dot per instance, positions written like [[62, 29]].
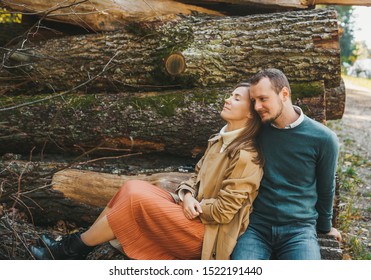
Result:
[[296, 241]]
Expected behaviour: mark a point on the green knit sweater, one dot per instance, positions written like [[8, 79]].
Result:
[[299, 175]]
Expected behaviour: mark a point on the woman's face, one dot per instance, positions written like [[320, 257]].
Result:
[[236, 110]]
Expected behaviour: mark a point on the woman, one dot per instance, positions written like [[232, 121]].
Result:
[[206, 216]]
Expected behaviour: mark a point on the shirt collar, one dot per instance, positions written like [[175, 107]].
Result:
[[295, 123]]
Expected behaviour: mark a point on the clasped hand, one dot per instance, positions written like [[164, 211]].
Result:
[[191, 207]]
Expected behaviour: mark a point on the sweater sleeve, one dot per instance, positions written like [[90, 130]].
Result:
[[238, 188], [325, 173]]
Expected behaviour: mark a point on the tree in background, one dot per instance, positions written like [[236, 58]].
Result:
[[347, 45], [362, 50]]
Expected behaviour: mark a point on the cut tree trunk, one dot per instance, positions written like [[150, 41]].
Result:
[[96, 189], [104, 15], [288, 3], [335, 102], [205, 52], [177, 122], [109, 15], [27, 185]]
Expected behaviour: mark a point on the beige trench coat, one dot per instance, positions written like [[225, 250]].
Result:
[[227, 187]]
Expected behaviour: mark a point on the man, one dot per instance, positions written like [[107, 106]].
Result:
[[296, 193]]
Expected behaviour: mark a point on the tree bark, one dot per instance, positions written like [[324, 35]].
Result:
[[96, 189], [177, 122], [302, 4], [27, 185], [335, 102], [104, 15], [109, 15], [217, 52]]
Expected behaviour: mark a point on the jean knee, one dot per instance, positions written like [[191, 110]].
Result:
[[251, 246]]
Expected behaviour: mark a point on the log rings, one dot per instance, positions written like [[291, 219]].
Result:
[[175, 64]]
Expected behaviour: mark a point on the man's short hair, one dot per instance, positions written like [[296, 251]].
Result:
[[276, 77]]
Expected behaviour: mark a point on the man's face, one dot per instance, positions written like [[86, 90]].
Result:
[[267, 103]]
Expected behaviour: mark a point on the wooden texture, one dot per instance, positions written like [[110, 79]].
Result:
[[177, 122], [108, 15], [335, 102], [26, 185], [217, 51], [96, 189], [104, 15]]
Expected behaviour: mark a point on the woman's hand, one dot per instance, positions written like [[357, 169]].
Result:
[[191, 207]]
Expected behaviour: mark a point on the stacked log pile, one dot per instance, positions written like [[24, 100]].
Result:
[[139, 94]]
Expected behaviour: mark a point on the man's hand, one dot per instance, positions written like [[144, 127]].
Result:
[[191, 207], [335, 233]]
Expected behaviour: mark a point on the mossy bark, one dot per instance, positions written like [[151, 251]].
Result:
[[177, 122], [218, 51]]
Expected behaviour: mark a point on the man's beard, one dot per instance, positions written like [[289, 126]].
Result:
[[275, 117]]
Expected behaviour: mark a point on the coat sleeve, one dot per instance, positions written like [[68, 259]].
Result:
[[191, 184], [239, 188]]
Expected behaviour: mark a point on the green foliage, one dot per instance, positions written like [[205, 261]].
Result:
[[348, 47], [346, 22], [359, 250]]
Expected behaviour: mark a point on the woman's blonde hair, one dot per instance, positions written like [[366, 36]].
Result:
[[247, 139]]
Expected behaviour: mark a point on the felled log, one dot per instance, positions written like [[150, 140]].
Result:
[[335, 102], [108, 15], [303, 4], [96, 189], [203, 52], [177, 122], [27, 184], [104, 15]]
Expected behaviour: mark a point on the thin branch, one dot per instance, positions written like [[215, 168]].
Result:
[[113, 157]]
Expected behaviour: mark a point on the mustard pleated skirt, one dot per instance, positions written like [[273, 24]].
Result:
[[150, 226]]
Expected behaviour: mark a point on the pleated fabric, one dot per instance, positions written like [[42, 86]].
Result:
[[150, 226]]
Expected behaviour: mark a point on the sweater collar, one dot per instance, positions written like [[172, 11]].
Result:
[[228, 136]]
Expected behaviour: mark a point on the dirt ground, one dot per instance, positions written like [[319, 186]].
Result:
[[354, 132]]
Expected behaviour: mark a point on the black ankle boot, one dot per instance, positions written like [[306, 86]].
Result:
[[69, 248]]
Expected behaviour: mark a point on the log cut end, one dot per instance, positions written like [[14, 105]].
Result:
[[175, 64]]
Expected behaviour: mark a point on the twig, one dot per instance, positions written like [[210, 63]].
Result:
[[63, 93], [113, 157]]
